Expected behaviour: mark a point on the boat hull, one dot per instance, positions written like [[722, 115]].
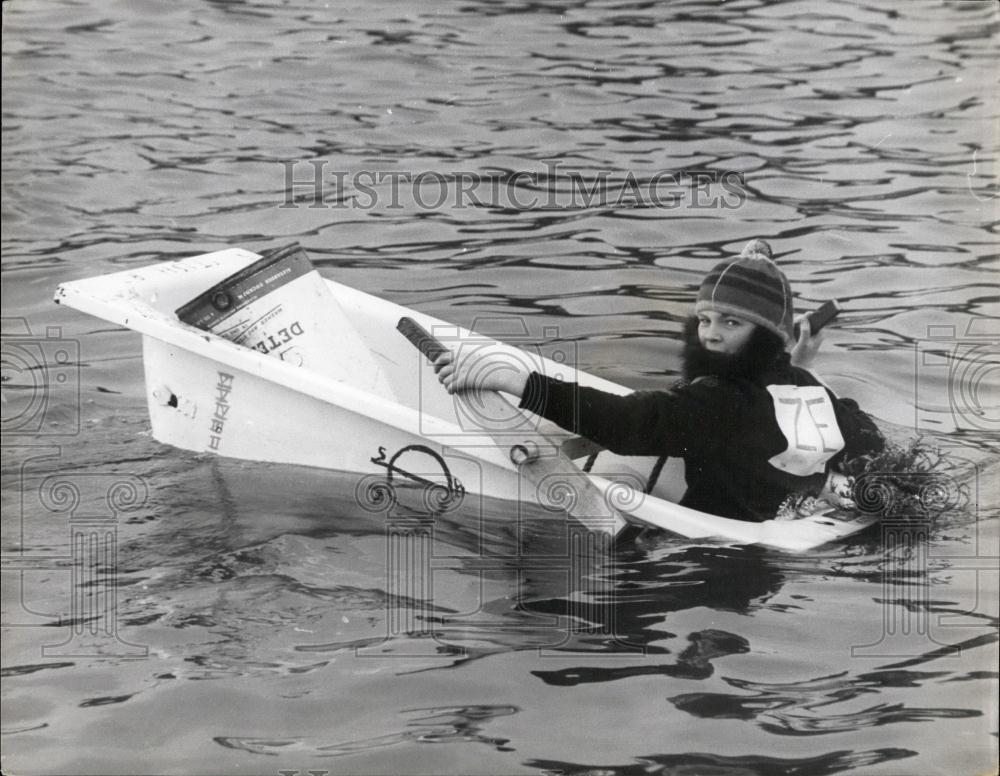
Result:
[[209, 395]]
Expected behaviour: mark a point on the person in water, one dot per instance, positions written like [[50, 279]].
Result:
[[753, 424]]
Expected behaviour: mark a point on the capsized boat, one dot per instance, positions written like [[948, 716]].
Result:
[[208, 394]]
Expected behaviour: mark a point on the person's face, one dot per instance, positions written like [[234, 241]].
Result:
[[723, 332]]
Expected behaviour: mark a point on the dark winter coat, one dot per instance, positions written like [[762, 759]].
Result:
[[741, 461]]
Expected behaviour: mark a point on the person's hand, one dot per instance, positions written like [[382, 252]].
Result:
[[807, 346], [481, 372], [838, 491]]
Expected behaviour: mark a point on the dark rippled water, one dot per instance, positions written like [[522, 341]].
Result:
[[253, 612]]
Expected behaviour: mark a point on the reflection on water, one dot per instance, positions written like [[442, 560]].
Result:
[[693, 663], [799, 709], [144, 132], [440, 726], [667, 764]]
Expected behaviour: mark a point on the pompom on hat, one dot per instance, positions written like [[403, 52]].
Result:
[[752, 287]]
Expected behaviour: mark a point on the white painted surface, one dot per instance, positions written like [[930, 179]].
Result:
[[209, 395]]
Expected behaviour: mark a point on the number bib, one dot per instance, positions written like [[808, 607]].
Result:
[[808, 422]]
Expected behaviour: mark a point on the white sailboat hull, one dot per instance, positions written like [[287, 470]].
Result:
[[207, 394]]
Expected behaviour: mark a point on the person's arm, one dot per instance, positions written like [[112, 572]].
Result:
[[861, 437], [491, 373], [806, 347], [642, 423], [838, 490]]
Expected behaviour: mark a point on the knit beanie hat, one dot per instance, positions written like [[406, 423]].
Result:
[[752, 287]]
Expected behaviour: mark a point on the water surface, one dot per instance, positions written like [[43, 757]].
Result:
[[253, 611]]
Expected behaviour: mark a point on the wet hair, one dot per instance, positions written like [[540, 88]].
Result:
[[755, 359]]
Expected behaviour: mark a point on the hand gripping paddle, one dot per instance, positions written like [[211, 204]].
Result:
[[525, 450], [821, 317]]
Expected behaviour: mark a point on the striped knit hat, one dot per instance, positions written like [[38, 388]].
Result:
[[752, 287]]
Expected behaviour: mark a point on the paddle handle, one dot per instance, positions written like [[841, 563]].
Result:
[[525, 454], [425, 342], [821, 317]]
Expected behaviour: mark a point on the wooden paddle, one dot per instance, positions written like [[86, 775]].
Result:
[[540, 459]]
